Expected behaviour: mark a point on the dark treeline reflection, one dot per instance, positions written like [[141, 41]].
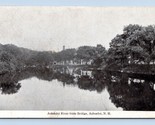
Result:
[[126, 91], [132, 93], [83, 78], [10, 82]]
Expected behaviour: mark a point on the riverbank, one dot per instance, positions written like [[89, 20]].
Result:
[[145, 71]]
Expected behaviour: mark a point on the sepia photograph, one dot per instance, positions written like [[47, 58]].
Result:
[[90, 62]]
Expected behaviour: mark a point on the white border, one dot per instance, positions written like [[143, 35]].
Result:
[[77, 114]]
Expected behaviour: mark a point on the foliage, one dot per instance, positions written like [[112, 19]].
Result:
[[135, 45], [64, 55]]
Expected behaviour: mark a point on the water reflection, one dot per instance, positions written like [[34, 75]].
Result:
[[132, 93], [87, 80], [127, 91], [8, 85]]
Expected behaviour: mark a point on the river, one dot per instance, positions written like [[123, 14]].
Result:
[[74, 89]]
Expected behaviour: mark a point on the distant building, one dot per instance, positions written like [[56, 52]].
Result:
[[63, 47]]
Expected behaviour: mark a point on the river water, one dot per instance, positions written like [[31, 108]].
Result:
[[74, 89]]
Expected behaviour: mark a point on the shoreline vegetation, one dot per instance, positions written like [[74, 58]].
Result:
[[126, 70], [133, 51]]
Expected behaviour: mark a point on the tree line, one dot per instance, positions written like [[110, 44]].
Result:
[[136, 45], [14, 58], [84, 53]]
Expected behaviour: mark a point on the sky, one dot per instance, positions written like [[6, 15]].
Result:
[[49, 28]]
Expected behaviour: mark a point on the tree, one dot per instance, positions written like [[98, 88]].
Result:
[[118, 51], [7, 62], [136, 44], [99, 56], [86, 53], [68, 54], [42, 58], [142, 44]]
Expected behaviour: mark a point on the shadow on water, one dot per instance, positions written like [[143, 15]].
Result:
[[126, 91]]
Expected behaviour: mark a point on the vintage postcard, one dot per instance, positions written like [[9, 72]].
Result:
[[77, 62]]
